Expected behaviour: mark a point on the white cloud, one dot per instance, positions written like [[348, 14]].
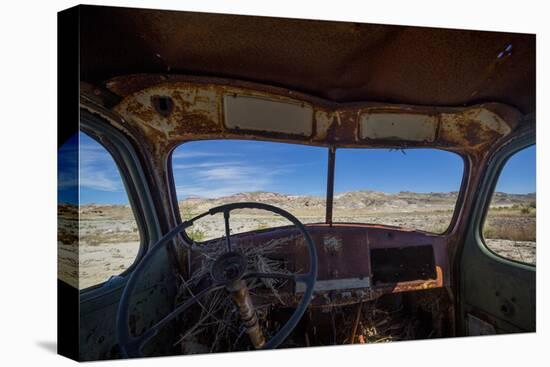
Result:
[[217, 179], [98, 170], [202, 165], [227, 173], [199, 154], [204, 192], [215, 173], [98, 180]]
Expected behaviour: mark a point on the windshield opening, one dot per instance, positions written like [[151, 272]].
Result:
[[414, 188]]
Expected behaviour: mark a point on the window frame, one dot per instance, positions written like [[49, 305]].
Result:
[[140, 200], [172, 183], [460, 192], [330, 179], [496, 165]]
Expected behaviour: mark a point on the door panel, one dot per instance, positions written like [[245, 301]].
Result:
[[154, 297], [497, 294]]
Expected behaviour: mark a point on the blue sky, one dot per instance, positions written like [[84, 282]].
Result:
[[100, 181], [518, 175], [418, 170], [67, 171], [219, 168]]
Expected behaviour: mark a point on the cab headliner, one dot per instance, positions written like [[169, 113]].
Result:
[[337, 61]]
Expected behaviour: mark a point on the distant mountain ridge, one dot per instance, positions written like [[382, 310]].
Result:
[[363, 199]]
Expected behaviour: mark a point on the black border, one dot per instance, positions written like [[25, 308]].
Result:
[[68, 85]]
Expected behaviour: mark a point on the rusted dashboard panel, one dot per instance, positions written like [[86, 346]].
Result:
[[358, 262], [392, 265]]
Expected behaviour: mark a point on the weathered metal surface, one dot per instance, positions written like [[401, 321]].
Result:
[[198, 110], [398, 126], [344, 262], [97, 101], [331, 161], [477, 126], [247, 313], [192, 108], [337, 284], [262, 114], [340, 61], [403, 70]]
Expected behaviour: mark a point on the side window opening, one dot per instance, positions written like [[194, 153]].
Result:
[[509, 229], [109, 234]]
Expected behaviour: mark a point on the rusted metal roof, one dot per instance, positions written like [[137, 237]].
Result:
[[337, 61]]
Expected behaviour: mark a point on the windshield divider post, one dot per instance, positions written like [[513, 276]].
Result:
[[330, 183]]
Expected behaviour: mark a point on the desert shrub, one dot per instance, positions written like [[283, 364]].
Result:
[[509, 231], [194, 234], [436, 227], [186, 211]]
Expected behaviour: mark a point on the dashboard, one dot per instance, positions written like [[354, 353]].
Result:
[[356, 262]]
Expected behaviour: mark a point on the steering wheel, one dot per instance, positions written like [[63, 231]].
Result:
[[229, 271]]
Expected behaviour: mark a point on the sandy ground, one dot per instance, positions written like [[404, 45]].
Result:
[[213, 226], [110, 239], [524, 251], [108, 246]]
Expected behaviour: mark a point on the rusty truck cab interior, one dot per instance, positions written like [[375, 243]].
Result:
[[156, 82]]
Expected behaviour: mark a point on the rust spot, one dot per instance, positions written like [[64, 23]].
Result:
[[196, 111], [332, 244], [163, 105]]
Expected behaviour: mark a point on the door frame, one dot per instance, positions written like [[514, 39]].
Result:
[[495, 293]]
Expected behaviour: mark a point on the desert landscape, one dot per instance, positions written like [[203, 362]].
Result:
[[109, 237]]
